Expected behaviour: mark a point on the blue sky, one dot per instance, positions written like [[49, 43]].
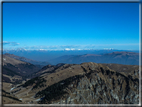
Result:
[[71, 25]]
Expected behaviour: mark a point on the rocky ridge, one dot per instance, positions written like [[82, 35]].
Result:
[[97, 85]]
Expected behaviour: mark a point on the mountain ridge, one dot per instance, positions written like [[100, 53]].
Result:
[[126, 58], [27, 60], [51, 54]]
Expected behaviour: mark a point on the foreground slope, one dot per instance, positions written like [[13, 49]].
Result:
[[9, 98], [86, 83]]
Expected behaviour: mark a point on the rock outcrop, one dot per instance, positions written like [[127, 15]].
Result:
[[97, 85]]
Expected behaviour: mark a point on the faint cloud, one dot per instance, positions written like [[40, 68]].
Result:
[[73, 47], [10, 43], [60, 47]]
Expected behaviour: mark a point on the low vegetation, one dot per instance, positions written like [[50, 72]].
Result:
[[7, 94], [56, 91], [37, 80]]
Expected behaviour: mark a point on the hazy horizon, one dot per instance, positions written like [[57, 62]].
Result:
[[49, 55]]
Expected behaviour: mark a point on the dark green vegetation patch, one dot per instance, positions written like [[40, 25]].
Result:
[[56, 91], [37, 80]]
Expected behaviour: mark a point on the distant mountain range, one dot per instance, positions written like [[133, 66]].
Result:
[[127, 58], [46, 55]]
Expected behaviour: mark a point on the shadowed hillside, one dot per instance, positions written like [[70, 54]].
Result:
[[15, 71]]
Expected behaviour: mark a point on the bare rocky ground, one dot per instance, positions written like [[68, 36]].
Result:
[[86, 83]]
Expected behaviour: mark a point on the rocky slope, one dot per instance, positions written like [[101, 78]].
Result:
[[86, 83], [98, 85]]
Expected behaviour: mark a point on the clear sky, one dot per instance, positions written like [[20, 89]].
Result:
[[71, 25]]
